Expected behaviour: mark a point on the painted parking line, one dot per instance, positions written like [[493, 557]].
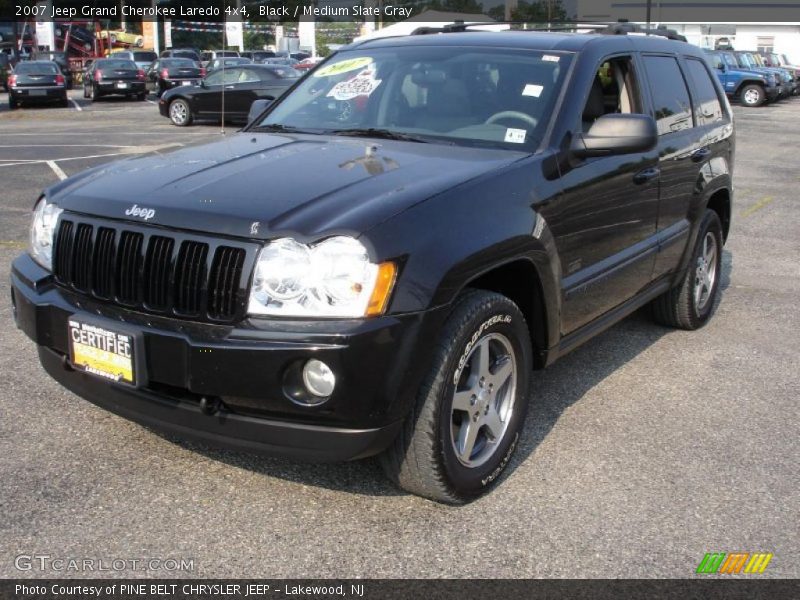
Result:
[[57, 170], [77, 106]]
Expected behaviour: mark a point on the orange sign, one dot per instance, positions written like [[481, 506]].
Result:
[[148, 29]]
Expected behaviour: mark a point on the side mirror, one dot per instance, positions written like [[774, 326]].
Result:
[[616, 134], [257, 107], [721, 67]]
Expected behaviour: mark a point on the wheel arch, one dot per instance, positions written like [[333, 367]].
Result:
[[720, 203], [519, 281]]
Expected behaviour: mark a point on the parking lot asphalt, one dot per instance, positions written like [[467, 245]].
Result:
[[643, 450]]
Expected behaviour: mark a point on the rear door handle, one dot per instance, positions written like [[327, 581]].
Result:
[[700, 154], [646, 175], [229, 87]]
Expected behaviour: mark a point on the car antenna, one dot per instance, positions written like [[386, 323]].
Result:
[[224, 33]]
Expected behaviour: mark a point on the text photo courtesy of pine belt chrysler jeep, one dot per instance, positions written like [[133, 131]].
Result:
[[379, 261]]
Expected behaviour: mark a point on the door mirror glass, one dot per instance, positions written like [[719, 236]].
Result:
[[256, 108], [616, 134]]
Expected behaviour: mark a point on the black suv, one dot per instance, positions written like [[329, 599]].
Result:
[[379, 261]]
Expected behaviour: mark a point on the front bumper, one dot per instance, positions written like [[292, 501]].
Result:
[[247, 371]]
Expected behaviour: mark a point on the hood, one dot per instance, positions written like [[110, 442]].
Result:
[[260, 185]]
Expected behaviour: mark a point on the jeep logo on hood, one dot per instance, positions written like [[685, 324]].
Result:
[[144, 213]]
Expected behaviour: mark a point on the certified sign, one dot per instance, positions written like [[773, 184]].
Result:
[[101, 352]]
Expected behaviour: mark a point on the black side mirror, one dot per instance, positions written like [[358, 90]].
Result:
[[257, 107], [616, 134], [721, 67]]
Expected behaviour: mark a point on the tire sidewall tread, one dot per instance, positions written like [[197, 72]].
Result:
[[422, 460]]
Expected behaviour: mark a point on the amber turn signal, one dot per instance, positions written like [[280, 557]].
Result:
[[383, 289]]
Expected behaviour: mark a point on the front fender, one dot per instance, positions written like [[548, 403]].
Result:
[[449, 241]]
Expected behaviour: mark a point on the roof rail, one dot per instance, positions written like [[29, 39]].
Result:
[[621, 27]]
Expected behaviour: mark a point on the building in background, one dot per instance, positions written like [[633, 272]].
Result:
[[740, 24]]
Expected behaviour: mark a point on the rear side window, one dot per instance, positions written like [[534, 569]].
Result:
[[673, 109], [708, 109]]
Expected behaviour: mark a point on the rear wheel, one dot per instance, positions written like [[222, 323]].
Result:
[[179, 113], [12, 102], [753, 95], [95, 94], [64, 102], [141, 97], [464, 427], [690, 304]]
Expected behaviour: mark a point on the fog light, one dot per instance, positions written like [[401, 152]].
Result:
[[318, 378]]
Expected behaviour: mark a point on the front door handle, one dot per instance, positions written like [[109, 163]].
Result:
[[229, 87], [646, 175], [700, 154]]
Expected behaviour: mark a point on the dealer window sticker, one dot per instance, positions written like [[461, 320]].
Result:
[[551, 58], [515, 136], [344, 66], [362, 84], [533, 89]]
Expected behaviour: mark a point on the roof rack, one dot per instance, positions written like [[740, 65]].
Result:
[[621, 27]]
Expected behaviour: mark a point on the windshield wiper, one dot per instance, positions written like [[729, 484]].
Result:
[[278, 128], [378, 133]]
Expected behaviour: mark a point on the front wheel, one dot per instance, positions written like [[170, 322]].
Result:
[[690, 304], [753, 95], [460, 435], [179, 113]]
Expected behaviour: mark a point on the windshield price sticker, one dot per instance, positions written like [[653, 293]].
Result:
[[362, 84]]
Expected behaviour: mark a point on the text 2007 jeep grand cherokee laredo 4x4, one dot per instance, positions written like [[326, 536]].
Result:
[[378, 262]]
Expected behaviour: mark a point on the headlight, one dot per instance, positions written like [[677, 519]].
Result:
[[43, 229], [333, 278]]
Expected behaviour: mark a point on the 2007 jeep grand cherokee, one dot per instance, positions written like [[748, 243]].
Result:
[[378, 262]]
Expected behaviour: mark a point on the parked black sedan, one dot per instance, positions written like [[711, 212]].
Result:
[[36, 81], [61, 59], [109, 76], [167, 73], [239, 86]]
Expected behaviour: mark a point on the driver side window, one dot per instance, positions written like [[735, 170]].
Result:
[[214, 78], [615, 89]]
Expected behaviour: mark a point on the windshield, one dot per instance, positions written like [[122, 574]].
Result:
[[730, 60], [461, 95], [145, 56]]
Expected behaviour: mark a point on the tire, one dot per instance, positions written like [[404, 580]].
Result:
[[64, 103], [12, 102], [688, 306], [428, 457], [752, 95], [141, 97], [157, 90], [95, 94], [180, 113], [85, 92]]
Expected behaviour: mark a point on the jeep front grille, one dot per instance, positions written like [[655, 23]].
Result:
[[154, 270]]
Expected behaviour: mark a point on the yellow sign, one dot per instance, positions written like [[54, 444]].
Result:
[[101, 352], [343, 66]]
